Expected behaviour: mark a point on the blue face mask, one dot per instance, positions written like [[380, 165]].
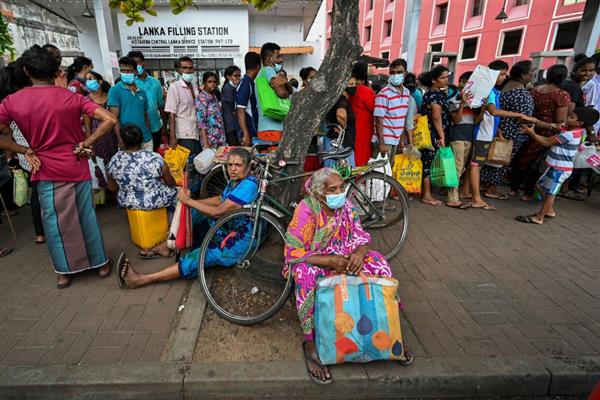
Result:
[[140, 69], [128, 79], [396, 79], [187, 77], [277, 67], [335, 201], [92, 85]]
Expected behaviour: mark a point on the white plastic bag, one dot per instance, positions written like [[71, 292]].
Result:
[[585, 152], [204, 161], [480, 85], [377, 190]]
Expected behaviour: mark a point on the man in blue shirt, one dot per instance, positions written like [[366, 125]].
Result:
[[129, 103], [245, 100], [272, 61], [156, 98]]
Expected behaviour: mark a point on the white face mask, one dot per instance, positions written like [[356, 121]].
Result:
[[187, 77]]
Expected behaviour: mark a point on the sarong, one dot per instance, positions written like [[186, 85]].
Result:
[[72, 232]]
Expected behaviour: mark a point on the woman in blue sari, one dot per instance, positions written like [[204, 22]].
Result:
[[241, 190]]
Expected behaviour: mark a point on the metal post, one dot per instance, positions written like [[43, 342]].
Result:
[[589, 28]]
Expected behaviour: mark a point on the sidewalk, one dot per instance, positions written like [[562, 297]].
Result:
[[492, 307]]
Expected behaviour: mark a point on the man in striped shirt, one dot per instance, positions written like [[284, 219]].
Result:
[[394, 111]]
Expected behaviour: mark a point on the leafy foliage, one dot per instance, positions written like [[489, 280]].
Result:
[[6, 40]]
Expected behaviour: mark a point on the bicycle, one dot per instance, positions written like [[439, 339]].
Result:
[[260, 226]]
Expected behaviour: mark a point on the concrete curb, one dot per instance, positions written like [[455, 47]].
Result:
[[427, 378], [185, 334]]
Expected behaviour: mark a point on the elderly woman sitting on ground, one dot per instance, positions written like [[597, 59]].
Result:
[[324, 238], [241, 190]]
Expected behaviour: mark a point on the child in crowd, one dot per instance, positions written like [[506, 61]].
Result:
[[560, 158]]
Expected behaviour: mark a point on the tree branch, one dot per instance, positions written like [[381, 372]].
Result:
[[310, 106]]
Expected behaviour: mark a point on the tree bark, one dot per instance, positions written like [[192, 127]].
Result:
[[310, 106]]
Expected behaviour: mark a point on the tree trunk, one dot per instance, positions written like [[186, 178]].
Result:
[[310, 106]]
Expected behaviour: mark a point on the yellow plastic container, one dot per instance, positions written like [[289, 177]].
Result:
[[148, 228]]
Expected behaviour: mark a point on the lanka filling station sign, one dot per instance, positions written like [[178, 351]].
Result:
[[212, 32]]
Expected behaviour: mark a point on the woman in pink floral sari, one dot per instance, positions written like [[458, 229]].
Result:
[[324, 238]]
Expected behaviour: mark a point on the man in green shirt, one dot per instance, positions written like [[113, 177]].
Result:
[[156, 99]]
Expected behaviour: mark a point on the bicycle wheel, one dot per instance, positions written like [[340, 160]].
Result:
[[253, 289], [382, 204], [213, 183]]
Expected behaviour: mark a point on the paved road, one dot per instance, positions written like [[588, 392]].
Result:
[[474, 284]]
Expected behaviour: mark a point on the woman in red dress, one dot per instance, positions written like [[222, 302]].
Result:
[[363, 105]]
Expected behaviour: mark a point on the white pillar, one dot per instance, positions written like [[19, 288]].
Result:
[[411, 30], [106, 37]]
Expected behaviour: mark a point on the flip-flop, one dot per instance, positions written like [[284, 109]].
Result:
[[107, 274], [460, 206], [5, 251], [435, 203], [526, 219], [154, 256], [120, 266], [496, 197], [309, 359], [64, 285], [487, 207], [550, 216]]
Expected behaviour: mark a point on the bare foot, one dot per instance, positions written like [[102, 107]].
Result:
[[105, 270], [131, 277], [40, 239], [527, 197], [318, 372], [63, 281]]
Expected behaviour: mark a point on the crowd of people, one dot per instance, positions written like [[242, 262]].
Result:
[[54, 121]]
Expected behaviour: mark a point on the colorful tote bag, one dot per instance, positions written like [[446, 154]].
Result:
[[357, 319]]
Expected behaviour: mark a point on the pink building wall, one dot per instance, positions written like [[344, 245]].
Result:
[[539, 20]]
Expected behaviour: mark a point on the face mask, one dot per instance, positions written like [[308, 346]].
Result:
[[187, 77], [277, 67], [351, 90], [128, 79], [335, 201], [92, 85], [396, 79], [140, 69]]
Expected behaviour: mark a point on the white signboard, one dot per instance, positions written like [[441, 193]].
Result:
[[208, 32]]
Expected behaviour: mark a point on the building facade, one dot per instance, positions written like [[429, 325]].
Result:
[[466, 30], [214, 33]]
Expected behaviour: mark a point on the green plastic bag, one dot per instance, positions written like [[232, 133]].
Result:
[[443, 169], [271, 105], [20, 187]]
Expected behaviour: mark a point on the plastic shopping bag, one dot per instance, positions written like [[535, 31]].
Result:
[[408, 172], [174, 228], [20, 188], [271, 105], [422, 134], [176, 160], [163, 147], [587, 157], [443, 169], [98, 173], [480, 84], [184, 233], [377, 190]]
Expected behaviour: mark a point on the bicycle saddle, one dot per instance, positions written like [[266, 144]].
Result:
[[337, 154]]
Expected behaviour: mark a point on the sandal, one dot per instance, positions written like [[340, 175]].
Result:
[[460, 206], [486, 207], [107, 273], [309, 360], [65, 284], [5, 251], [122, 263], [527, 219], [499, 196], [435, 203], [150, 255]]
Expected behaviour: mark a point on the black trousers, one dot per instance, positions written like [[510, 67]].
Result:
[[156, 139]]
